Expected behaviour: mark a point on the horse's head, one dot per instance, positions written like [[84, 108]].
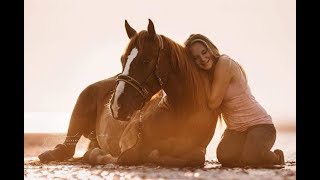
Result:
[[140, 78]]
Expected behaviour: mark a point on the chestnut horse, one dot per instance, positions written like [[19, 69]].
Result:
[[139, 124], [173, 132]]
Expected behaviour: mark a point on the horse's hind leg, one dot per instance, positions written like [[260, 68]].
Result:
[[83, 118], [82, 122]]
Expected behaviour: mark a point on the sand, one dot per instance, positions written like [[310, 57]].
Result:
[[37, 143]]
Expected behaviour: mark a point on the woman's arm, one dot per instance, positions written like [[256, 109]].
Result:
[[221, 78]]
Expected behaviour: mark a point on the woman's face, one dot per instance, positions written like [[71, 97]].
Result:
[[201, 56]]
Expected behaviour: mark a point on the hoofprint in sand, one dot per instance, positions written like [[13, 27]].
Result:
[[37, 143]]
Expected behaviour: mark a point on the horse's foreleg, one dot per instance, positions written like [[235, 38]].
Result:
[[83, 117], [98, 156]]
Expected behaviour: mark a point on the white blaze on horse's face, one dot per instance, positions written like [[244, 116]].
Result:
[[120, 88]]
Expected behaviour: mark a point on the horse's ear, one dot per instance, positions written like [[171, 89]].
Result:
[[130, 31], [151, 31]]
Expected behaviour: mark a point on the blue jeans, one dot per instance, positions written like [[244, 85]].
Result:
[[251, 147]]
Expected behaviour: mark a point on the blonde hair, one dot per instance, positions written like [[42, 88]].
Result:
[[193, 38]]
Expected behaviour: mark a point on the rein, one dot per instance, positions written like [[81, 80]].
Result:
[[138, 86]]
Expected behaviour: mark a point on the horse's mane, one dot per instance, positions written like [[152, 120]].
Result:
[[194, 78], [196, 85]]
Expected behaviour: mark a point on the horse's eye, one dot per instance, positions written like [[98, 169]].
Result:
[[146, 61]]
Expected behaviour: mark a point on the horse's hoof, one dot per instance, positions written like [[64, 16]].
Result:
[[60, 153]]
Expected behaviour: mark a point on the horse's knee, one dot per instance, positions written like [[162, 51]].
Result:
[[85, 106], [97, 156], [88, 91]]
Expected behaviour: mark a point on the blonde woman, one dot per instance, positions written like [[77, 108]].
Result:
[[250, 132]]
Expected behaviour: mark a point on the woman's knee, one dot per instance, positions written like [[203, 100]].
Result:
[[228, 157], [222, 156]]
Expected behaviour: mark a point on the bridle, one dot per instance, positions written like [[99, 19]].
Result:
[[138, 86]]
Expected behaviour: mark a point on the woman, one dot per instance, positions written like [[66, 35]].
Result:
[[250, 132]]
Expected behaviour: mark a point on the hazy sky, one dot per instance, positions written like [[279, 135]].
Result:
[[70, 44]]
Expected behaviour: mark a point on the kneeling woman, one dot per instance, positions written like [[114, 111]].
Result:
[[250, 132]]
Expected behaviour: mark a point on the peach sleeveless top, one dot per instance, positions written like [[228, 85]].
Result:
[[239, 108]]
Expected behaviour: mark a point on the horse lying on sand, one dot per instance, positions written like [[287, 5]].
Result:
[[176, 134], [169, 130]]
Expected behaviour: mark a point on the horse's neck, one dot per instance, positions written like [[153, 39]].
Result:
[[178, 94], [186, 88]]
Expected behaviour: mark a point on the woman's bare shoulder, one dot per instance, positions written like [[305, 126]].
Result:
[[226, 64], [224, 61], [225, 58]]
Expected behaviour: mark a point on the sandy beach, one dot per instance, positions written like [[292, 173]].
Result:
[[34, 144]]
